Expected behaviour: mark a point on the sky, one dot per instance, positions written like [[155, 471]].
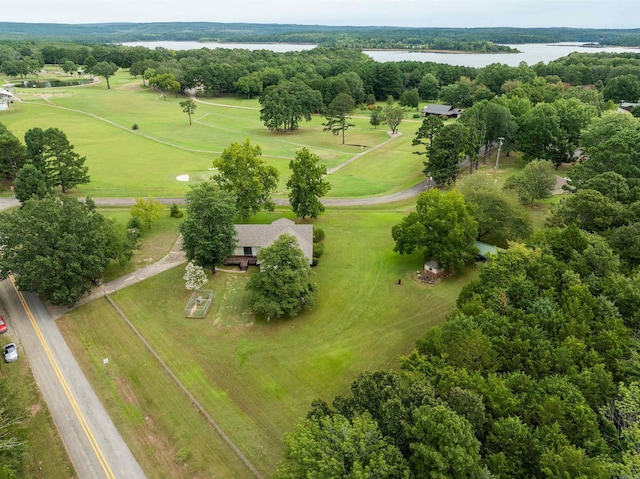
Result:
[[407, 13]]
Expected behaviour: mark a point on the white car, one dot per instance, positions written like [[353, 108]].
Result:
[[10, 353]]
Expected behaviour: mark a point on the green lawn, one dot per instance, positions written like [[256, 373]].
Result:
[[156, 242], [147, 161], [256, 379]]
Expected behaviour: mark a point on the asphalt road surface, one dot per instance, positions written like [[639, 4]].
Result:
[[95, 446]]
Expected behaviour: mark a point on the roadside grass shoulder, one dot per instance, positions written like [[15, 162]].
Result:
[[46, 456]]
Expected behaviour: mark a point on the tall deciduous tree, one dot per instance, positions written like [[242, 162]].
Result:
[[337, 119], [393, 116], [165, 82], [67, 250], [69, 67], [30, 183], [589, 209], [444, 444], [283, 287], [410, 98], [540, 136], [611, 144], [498, 213], [243, 172], [208, 233], [333, 447], [442, 227], [307, 184], [429, 87], [188, 107], [623, 88], [447, 148], [105, 70], [288, 102], [537, 181], [147, 211], [250, 85], [388, 80]]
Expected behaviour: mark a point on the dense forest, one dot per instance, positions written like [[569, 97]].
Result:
[[465, 39]]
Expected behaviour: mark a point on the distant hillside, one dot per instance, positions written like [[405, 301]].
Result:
[[474, 39]]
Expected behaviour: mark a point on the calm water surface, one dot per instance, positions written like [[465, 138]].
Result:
[[274, 47], [532, 53]]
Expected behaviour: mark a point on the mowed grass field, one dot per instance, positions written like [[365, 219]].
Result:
[[256, 379], [127, 163]]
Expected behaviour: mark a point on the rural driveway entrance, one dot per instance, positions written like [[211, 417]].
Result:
[[95, 446]]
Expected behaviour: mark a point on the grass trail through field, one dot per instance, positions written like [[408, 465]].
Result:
[[195, 150]]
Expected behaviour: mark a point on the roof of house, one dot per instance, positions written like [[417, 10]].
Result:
[[432, 264], [265, 235], [437, 109], [4, 92]]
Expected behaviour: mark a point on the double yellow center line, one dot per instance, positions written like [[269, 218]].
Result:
[[65, 386]]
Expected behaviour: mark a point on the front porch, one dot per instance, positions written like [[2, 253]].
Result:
[[242, 261]]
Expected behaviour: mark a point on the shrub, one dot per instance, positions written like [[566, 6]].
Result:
[[318, 234], [134, 222], [134, 228], [176, 212], [135, 126], [417, 115], [182, 455], [318, 249]]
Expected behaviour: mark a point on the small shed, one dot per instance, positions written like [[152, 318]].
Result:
[[432, 269]]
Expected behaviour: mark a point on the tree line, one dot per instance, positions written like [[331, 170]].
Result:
[[466, 39], [534, 374], [329, 71]]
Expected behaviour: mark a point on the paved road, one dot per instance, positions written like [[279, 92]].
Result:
[[373, 200], [95, 446]]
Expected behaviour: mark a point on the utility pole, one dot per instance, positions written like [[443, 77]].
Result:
[[500, 141]]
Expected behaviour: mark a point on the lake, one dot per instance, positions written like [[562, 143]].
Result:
[[274, 47], [532, 53]]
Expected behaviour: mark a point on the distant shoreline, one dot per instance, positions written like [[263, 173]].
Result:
[[423, 50]]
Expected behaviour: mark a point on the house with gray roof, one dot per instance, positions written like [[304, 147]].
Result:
[[441, 110], [250, 238]]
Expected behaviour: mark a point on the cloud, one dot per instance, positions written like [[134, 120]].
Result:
[[416, 13]]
